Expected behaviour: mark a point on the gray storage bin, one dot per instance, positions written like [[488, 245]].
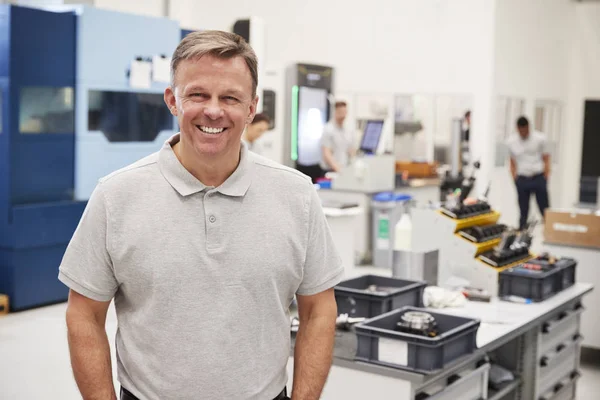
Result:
[[564, 390], [560, 328], [379, 342], [387, 210], [558, 364], [354, 298], [472, 385]]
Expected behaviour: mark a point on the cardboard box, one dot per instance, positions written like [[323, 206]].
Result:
[[572, 228], [3, 304], [417, 169]]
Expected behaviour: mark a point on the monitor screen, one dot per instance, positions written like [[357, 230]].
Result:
[[371, 136]]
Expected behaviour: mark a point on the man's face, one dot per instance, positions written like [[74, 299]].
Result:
[[523, 131], [340, 114], [213, 102]]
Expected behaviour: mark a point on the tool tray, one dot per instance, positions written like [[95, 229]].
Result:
[[354, 298], [537, 284]]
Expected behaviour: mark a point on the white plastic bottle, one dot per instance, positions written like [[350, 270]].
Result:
[[403, 233]]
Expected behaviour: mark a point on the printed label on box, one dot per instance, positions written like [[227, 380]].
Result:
[[393, 351]]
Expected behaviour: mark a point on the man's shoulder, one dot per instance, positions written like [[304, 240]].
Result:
[[541, 136], [274, 172], [132, 172]]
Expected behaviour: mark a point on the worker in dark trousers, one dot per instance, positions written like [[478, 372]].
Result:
[[530, 167]]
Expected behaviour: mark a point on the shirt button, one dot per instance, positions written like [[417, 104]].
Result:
[[212, 219]]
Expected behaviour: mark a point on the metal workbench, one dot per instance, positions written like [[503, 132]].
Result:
[[511, 330]]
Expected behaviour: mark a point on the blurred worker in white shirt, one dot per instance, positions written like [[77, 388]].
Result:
[[258, 126], [336, 142], [530, 167]]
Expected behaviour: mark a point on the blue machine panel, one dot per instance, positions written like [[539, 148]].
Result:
[[42, 59], [102, 67], [4, 39], [37, 212], [29, 276]]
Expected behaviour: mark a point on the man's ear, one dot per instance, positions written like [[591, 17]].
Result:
[[253, 106], [170, 100]]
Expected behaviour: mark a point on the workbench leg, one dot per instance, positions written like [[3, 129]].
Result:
[[528, 364]]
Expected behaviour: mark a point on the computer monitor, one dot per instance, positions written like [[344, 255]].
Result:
[[371, 136]]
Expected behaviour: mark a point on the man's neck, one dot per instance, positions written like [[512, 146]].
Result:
[[209, 171], [339, 123]]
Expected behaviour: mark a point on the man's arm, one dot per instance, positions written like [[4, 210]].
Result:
[[513, 168], [546, 158], [329, 159], [314, 344], [88, 344]]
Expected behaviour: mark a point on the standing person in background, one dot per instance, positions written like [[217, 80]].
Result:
[[258, 126], [467, 127], [530, 167], [336, 143]]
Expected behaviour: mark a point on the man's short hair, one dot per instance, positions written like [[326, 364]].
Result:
[[522, 122], [261, 117], [468, 114], [340, 103], [217, 44]]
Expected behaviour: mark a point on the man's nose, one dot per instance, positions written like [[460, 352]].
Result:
[[213, 109]]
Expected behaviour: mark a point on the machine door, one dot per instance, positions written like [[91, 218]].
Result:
[[312, 116]]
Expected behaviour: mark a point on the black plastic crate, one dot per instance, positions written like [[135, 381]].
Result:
[[380, 343], [567, 268], [354, 298], [537, 285]]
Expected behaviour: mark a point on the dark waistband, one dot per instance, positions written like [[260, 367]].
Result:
[[127, 395], [531, 176]]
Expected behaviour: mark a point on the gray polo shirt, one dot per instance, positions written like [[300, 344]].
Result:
[[528, 153], [339, 141], [202, 277]]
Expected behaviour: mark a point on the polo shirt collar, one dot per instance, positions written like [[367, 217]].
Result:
[[186, 184]]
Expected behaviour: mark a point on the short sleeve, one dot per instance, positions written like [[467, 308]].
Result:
[[510, 146], [323, 267], [86, 266], [327, 139], [545, 144]]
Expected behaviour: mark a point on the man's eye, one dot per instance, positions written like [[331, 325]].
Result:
[[198, 95], [230, 98]]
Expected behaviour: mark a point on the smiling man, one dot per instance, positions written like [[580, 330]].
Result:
[[202, 310]]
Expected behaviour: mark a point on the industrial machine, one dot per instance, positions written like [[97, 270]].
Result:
[[117, 123], [70, 113], [368, 172], [308, 89], [38, 213]]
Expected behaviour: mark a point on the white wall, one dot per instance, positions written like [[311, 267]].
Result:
[[393, 46], [584, 82], [531, 54]]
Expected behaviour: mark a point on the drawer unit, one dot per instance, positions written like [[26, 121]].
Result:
[[469, 384], [564, 390], [558, 364], [560, 328]]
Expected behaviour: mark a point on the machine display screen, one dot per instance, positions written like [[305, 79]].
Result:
[[128, 116], [312, 116], [371, 137]]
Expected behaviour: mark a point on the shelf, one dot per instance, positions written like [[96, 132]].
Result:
[[505, 389]]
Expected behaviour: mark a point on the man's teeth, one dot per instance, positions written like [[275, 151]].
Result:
[[208, 129]]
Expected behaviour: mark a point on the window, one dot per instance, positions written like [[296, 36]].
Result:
[[128, 116], [46, 110]]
